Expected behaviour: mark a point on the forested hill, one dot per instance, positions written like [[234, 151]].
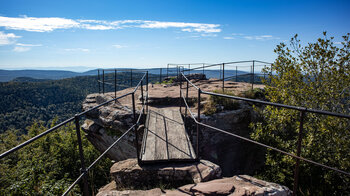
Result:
[[22, 103], [8, 75]]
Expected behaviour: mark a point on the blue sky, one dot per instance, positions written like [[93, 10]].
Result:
[[127, 33]]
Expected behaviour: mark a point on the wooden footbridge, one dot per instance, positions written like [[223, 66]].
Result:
[[165, 137]]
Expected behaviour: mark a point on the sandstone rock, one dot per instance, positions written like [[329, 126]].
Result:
[[128, 174], [240, 185], [102, 139], [233, 155], [110, 190], [209, 188]]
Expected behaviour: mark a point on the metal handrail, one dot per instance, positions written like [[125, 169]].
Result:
[[261, 144], [85, 171], [77, 118], [302, 110]]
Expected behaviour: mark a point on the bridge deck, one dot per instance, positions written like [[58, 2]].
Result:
[[165, 137]]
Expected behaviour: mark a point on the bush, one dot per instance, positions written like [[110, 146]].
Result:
[[212, 106]]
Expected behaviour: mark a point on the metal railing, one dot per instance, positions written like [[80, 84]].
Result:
[[302, 111], [76, 119], [237, 71]]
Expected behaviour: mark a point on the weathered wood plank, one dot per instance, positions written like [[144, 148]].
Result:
[[166, 137], [160, 144], [150, 138]]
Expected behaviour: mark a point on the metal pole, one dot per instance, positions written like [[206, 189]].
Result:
[[236, 74], [270, 74], [142, 98], [160, 75], [186, 97], [177, 71], [198, 119], [135, 128], [296, 171], [115, 84], [81, 154], [189, 68], [186, 100], [180, 98], [253, 75], [130, 77], [147, 91], [103, 81], [98, 81], [203, 68], [223, 77], [167, 70]]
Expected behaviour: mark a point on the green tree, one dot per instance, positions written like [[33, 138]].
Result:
[[315, 76], [49, 165]]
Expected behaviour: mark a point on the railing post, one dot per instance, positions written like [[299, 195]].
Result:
[[98, 81], [103, 81], [160, 75], [270, 74], [223, 77], [186, 97], [180, 98], [135, 128], [198, 119], [203, 68], [142, 98], [177, 71], [130, 77], [81, 153], [236, 73], [296, 171], [115, 84], [167, 71], [253, 75], [147, 91]]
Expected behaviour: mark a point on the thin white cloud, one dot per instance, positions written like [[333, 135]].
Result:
[[229, 38], [260, 37], [189, 27], [251, 37], [77, 50], [208, 35], [50, 24], [28, 45], [97, 27], [7, 38], [21, 49], [240, 34], [118, 46]]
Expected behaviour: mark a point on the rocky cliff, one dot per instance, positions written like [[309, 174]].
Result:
[[233, 156]]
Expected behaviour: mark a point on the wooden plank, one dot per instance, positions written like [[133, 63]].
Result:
[[179, 138], [160, 142], [150, 138]]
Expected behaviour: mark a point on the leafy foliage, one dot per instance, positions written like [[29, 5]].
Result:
[[49, 165], [314, 76]]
